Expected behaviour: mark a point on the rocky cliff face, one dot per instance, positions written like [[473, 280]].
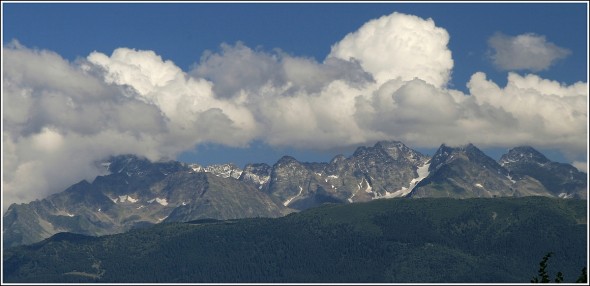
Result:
[[257, 174], [386, 170]]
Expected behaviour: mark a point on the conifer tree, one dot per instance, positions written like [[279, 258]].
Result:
[[543, 275], [559, 277], [583, 277]]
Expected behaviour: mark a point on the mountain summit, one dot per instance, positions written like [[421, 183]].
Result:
[[562, 180], [466, 172]]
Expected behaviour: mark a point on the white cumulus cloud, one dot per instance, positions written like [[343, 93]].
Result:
[[399, 45], [547, 113], [239, 69], [61, 117], [524, 52], [388, 80]]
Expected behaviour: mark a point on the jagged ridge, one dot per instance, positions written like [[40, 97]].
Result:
[[138, 192]]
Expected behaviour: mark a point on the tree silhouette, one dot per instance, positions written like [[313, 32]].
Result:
[[543, 270], [544, 276], [583, 277], [559, 277]]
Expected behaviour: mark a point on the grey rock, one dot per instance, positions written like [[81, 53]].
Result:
[[466, 172], [562, 180]]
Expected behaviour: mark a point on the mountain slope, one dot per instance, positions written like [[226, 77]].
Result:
[[466, 172], [221, 199], [388, 169], [137, 193], [562, 180], [398, 240]]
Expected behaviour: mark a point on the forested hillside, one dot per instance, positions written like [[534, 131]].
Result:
[[394, 240]]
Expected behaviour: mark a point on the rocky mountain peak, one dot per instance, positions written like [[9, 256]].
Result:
[[286, 160], [523, 154], [258, 168], [562, 180], [469, 152], [133, 165], [257, 174], [138, 192], [440, 156], [394, 150], [129, 162], [224, 170], [384, 144], [338, 159], [228, 170]]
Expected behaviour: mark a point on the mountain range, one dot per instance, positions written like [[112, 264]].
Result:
[[137, 193]]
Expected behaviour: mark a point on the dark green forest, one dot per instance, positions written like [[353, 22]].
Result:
[[498, 240]]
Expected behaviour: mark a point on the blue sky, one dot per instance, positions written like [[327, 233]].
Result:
[[296, 38], [181, 32]]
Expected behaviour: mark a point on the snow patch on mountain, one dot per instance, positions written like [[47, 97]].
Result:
[[566, 196], [65, 213], [122, 199], [125, 198], [287, 202], [224, 171], [399, 193], [350, 198], [369, 188], [259, 180], [510, 178], [220, 170], [422, 173], [163, 201], [196, 167], [505, 161]]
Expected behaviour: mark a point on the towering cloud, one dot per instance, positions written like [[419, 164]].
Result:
[[399, 45], [388, 80]]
